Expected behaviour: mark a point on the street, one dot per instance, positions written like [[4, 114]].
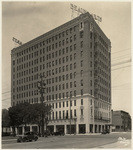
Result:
[[69, 141]]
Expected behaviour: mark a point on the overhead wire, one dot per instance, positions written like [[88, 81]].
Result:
[[121, 50]]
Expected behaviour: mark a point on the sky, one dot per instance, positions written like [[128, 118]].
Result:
[[27, 20]]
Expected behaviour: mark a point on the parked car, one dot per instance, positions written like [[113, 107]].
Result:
[[47, 133], [28, 136], [12, 134], [105, 132], [58, 133]]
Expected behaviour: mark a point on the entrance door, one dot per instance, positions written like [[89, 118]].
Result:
[[60, 128], [71, 129], [82, 128]]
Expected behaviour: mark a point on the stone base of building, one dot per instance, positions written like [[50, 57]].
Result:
[[66, 129]]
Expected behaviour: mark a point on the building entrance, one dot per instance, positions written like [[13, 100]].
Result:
[[34, 128], [60, 128], [82, 128], [91, 128], [50, 128], [73, 129], [20, 130]]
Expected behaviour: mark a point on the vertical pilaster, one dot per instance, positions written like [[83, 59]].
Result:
[[65, 129], [77, 128], [87, 128], [23, 130], [30, 128], [54, 128]]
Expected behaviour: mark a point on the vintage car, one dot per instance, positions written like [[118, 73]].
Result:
[[105, 131], [27, 137]]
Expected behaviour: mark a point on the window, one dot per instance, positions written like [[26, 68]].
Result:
[[70, 75], [71, 113], [67, 114], [81, 53], [71, 39], [56, 115], [59, 114], [70, 57], [66, 67], [74, 46], [90, 63], [66, 85], [75, 93], [82, 92], [75, 56], [74, 74], [53, 115], [70, 84], [90, 82], [74, 37], [74, 65], [91, 73], [90, 44], [74, 102], [70, 66], [56, 105], [81, 73], [63, 114], [74, 83], [66, 40], [81, 44], [81, 101], [63, 104], [81, 112], [67, 77], [81, 82], [91, 92], [81, 63], [81, 34], [66, 103], [71, 103], [90, 35], [66, 49], [67, 94], [75, 113], [13, 62]]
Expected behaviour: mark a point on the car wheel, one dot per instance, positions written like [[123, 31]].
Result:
[[36, 138], [24, 139], [18, 141]]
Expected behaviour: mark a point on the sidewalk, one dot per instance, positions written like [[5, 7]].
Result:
[[119, 144]]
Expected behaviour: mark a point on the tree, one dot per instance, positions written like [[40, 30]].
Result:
[[25, 113], [19, 115], [5, 119], [40, 111]]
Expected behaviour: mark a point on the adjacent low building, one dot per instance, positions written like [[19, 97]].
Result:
[[121, 121]]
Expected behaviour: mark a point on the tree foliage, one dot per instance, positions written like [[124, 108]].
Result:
[[25, 113], [5, 118]]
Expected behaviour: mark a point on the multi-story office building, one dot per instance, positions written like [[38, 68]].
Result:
[[121, 121], [75, 58]]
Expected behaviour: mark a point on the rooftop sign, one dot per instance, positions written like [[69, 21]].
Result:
[[82, 11], [16, 41]]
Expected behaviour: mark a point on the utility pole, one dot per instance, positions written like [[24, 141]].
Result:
[[41, 86]]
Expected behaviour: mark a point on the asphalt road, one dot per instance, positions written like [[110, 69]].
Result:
[[67, 141]]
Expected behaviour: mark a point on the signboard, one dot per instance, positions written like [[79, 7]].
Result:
[[78, 9], [17, 41], [83, 11]]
